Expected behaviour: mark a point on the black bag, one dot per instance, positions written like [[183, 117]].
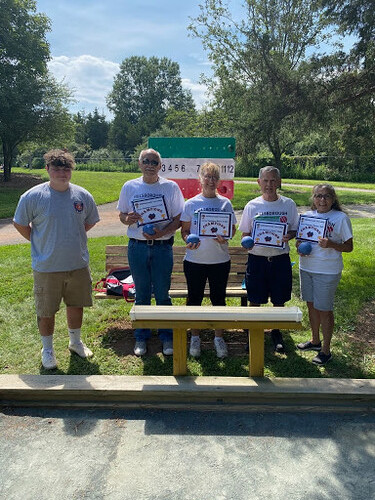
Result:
[[118, 282]]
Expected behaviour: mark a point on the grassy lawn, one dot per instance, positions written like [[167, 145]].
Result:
[[106, 327]]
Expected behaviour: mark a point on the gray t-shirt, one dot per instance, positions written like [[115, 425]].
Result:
[[58, 235]]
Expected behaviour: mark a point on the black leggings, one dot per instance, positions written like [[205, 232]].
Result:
[[196, 278]]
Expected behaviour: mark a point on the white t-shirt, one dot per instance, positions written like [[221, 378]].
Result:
[[209, 251], [282, 210], [328, 260], [136, 190]]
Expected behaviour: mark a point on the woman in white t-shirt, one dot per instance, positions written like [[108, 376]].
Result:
[[209, 258], [320, 271]]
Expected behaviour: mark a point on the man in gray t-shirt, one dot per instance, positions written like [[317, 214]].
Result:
[[55, 217]]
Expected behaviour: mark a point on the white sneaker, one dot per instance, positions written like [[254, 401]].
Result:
[[49, 359], [168, 348], [140, 348], [195, 346], [80, 349], [220, 347]]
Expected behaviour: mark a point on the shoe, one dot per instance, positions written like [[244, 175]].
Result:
[[168, 348], [278, 342], [309, 346], [322, 359], [140, 348], [49, 359], [220, 347], [80, 349], [195, 346]]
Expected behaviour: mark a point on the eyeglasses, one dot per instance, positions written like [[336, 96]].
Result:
[[323, 196], [61, 169], [146, 161]]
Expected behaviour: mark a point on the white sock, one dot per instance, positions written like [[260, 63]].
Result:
[[75, 335], [47, 342]]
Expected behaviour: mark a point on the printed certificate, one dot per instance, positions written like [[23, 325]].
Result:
[[212, 224], [151, 210], [269, 234], [311, 228]]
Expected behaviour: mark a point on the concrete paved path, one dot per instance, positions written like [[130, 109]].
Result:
[[49, 454]]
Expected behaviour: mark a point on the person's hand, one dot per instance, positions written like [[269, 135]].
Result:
[[324, 243], [156, 236], [221, 240], [129, 218], [193, 246]]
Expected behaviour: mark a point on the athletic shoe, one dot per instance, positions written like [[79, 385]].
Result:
[[309, 346], [195, 346], [168, 348], [322, 359], [49, 359], [220, 347], [278, 342], [140, 348], [80, 349]]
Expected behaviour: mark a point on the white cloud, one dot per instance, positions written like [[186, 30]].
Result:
[[90, 78], [198, 91]]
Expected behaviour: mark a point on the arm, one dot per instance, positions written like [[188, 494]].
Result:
[[289, 236], [347, 246], [88, 226], [24, 231]]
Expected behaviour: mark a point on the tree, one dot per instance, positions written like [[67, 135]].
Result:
[[261, 71], [142, 93], [97, 130], [31, 102]]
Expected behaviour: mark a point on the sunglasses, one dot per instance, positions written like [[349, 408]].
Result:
[[146, 161], [323, 196]]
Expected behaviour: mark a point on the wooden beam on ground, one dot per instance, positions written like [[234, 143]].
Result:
[[188, 393]]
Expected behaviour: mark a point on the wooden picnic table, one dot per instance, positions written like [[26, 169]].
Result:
[[182, 318]]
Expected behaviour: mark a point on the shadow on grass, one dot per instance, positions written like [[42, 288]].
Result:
[[77, 366]]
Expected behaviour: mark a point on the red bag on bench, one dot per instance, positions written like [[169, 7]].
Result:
[[118, 282]]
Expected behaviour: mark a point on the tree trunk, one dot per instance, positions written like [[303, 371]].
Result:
[[8, 159]]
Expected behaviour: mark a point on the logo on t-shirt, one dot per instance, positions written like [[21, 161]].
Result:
[[78, 206]]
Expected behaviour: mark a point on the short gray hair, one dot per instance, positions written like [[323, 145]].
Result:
[[149, 151], [269, 168]]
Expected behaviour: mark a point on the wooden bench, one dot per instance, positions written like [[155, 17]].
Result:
[[117, 256], [182, 318]]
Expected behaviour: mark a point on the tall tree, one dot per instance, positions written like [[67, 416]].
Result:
[[143, 91], [97, 130], [31, 102], [259, 59]]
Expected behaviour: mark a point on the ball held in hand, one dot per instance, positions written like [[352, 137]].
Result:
[[305, 248], [247, 242], [149, 229], [192, 238]]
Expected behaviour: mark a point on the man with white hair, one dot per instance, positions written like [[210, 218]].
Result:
[[150, 255]]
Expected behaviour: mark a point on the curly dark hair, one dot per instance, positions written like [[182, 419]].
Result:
[[59, 158]]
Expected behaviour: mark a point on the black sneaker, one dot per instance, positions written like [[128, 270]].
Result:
[[278, 342], [309, 346], [322, 359]]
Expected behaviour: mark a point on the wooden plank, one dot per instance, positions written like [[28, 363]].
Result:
[[179, 351], [256, 351]]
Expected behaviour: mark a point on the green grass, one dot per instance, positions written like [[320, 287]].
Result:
[[20, 343], [105, 188], [311, 182]]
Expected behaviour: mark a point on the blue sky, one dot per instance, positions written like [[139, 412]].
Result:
[[90, 38]]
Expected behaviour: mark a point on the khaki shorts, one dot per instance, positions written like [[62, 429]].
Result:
[[74, 287]]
